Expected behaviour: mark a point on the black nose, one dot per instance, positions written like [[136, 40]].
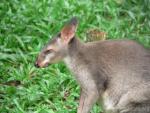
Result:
[[36, 65]]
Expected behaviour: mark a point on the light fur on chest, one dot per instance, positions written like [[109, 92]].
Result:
[[81, 73]]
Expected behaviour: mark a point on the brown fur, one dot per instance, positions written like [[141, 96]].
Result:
[[115, 71]]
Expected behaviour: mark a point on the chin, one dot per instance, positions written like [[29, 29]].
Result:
[[44, 66]]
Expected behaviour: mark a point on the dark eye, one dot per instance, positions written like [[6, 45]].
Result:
[[59, 35], [48, 51]]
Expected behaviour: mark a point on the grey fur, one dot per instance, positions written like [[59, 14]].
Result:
[[116, 72], [119, 68]]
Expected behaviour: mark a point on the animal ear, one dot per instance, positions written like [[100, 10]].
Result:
[[68, 31]]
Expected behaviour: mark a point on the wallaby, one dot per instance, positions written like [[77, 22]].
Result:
[[114, 72]]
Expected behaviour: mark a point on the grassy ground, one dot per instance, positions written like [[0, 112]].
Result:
[[25, 26]]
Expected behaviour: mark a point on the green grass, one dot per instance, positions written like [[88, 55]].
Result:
[[25, 27]]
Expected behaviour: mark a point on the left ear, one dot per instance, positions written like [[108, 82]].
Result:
[[68, 31]]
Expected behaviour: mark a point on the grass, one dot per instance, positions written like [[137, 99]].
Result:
[[25, 27]]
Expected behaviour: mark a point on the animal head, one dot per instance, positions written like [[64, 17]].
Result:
[[57, 49]]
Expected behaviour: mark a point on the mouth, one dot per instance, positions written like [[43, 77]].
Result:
[[42, 66], [46, 65]]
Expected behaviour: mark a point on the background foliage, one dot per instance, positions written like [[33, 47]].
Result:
[[25, 27]]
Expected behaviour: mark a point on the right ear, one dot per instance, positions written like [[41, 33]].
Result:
[[68, 31]]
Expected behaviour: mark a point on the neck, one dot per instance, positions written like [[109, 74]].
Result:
[[75, 47], [75, 51]]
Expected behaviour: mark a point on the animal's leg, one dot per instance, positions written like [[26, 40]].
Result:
[[143, 108], [87, 100]]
